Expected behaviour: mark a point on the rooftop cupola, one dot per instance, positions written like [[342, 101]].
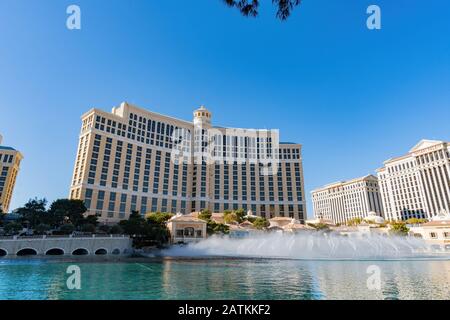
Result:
[[202, 117]]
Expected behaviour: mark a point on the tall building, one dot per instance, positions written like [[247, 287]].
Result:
[[9, 168], [134, 159], [417, 185], [346, 200]]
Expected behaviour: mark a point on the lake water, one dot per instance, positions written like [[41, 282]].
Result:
[[223, 278]]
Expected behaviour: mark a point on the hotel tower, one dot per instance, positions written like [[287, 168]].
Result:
[[10, 160], [135, 160], [346, 200], [417, 185]]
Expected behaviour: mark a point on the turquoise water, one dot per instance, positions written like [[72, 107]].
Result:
[[169, 278]]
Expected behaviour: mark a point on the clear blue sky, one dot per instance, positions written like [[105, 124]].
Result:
[[351, 96]]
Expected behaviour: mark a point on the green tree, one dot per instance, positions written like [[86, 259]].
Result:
[[322, 226], [249, 8], [319, 226], [104, 228], [135, 224], [230, 217], [66, 228], [68, 210], [354, 222], [240, 214], [261, 223], [90, 219], [213, 227], [2, 216], [415, 221], [157, 232], [159, 217], [88, 227], [12, 228], [205, 214], [399, 229], [116, 229], [33, 212], [145, 231], [42, 228]]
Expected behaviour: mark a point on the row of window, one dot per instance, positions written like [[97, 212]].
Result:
[[160, 134], [6, 158], [130, 169], [119, 205]]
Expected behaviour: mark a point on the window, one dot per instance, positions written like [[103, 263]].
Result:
[[189, 232], [433, 235], [154, 204], [101, 197]]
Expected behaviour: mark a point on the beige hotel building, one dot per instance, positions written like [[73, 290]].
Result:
[[346, 200], [134, 159], [9, 168], [417, 185]]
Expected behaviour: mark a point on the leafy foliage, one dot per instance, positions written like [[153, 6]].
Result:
[[88, 227], [68, 210], [260, 223], [240, 214], [415, 221], [249, 8], [230, 217], [205, 215], [354, 222], [213, 227], [116, 229], [144, 230], [2, 217], [104, 228], [65, 214], [66, 229], [12, 228], [42, 228], [135, 224], [399, 229], [33, 212], [159, 217], [319, 226]]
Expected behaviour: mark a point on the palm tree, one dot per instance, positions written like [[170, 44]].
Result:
[[249, 8]]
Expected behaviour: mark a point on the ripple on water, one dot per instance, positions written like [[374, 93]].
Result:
[[225, 279]]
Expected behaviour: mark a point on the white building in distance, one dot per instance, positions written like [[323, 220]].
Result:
[[417, 185], [346, 200]]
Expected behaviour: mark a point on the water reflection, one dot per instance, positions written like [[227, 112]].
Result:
[[225, 279]]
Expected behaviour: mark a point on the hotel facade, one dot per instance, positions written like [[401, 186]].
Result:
[[135, 160], [9, 168], [417, 185], [342, 201]]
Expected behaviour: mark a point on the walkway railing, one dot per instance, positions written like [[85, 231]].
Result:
[[55, 237]]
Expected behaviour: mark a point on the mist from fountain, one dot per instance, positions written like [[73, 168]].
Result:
[[310, 246]]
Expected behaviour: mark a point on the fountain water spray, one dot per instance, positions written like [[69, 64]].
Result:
[[308, 246]]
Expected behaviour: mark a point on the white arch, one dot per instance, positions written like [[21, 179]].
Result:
[[3, 249]]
